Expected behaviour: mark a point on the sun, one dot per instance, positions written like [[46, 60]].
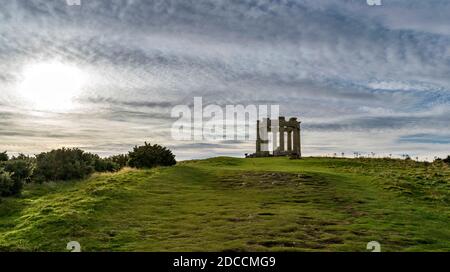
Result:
[[51, 86]]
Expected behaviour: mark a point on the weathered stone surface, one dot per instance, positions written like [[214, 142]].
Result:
[[289, 128]]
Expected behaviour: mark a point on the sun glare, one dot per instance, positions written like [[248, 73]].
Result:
[[51, 86]]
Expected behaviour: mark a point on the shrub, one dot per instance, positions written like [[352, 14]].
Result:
[[7, 185], [22, 157], [14, 173], [21, 169], [121, 160], [447, 160], [148, 156], [64, 164], [4, 157], [105, 165]]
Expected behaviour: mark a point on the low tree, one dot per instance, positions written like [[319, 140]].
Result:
[[63, 164], [21, 169], [149, 156], [7, 185], [105, 165], [14, 173], [121, 160], [4, 156], [447, 160]]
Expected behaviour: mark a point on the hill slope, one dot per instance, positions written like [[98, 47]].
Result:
[[275, 204]]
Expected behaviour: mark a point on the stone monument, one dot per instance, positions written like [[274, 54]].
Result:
[[286, 138]]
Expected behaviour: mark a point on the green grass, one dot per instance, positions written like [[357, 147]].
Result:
[[227, 204]]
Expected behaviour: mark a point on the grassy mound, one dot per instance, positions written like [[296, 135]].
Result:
[[227, 204]]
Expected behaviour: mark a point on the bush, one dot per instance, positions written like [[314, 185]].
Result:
[[105, 165], [64, 164], [7, 185], [447, 160], [148, 156], [22, 157], [4, 157], [21, 169], [14, 173], [121, 160]]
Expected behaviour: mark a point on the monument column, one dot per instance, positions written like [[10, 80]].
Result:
[[281, 138], [258, 138], [289, 141], [297, 141], [281, 124], [274, 128]]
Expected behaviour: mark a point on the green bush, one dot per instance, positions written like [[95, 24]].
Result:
[[21, 169], [447, 160], [148, 156], [63, 164], [7, 185], [69, 164], [4, 157], [121, 160], [14, 173], [105, 165]]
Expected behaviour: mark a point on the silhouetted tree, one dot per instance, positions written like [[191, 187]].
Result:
[[4, 156], [21, 169], [447, 160], [121, 160], [7, 186], [148, 156], [64, 164]]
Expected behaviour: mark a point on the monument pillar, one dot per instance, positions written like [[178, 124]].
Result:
[[275, 133], [281, 124], [289, 140], [297, 141], [258, 138], [278, 129], [281, 139]]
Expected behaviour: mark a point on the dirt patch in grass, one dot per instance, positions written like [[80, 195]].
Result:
[[269, 180]]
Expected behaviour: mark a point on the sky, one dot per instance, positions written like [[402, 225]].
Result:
[[360, 78]]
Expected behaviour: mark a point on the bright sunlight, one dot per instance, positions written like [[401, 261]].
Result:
[[51, 86]]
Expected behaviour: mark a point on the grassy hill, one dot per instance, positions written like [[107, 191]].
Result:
[[227, 204]]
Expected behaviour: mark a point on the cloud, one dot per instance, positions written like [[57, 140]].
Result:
[[426, 139]]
